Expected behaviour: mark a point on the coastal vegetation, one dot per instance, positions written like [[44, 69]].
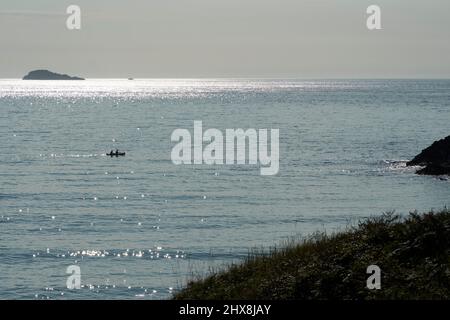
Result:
[[413, 254]]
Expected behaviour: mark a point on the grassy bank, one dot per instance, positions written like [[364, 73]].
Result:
[[413, 254]]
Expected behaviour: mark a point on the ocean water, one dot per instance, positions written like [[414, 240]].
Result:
[[139, 226]]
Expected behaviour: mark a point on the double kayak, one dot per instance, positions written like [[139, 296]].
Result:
[[115, 154]]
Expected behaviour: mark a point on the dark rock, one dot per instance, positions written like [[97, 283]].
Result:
[[48, 75], [435, 158], [434, 170]]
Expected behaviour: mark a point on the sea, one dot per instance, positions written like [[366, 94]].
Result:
[[141, 227]]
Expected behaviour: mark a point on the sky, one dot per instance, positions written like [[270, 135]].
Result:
[[226, 38]]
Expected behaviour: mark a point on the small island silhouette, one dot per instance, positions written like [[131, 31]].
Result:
[[48, 75]]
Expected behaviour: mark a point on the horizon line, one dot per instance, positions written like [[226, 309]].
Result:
[[245, 78]]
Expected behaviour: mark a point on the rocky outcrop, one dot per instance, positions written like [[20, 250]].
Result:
[[48, 75], [435, 158]]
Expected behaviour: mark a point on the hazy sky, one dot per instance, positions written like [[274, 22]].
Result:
[[227, 38]]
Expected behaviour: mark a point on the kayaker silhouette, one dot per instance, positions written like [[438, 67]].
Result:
[[115, 153]]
